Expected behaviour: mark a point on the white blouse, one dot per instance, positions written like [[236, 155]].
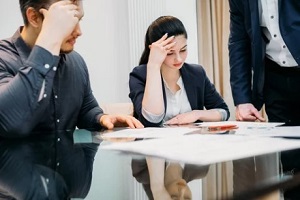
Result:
[[176, 103]]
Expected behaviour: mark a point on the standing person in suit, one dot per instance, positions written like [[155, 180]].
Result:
[[165, 89], [264, 57]]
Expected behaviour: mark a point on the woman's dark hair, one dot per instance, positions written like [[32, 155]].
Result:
[[36, 4], [161, 26]]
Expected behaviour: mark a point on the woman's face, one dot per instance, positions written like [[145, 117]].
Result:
[[177, 55], [179, 190]]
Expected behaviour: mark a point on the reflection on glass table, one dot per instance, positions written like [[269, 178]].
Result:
[[42, 167], [166, 180], [261, 174], [74, 167]]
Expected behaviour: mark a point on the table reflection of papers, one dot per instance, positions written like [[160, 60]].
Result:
[[206, 149], [148, 132]]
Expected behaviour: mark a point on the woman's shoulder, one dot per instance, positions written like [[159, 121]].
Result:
[[140, 69], [195, 69]]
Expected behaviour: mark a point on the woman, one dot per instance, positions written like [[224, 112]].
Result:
[[166, 90]]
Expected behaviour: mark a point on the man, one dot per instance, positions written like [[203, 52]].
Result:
[[44, 83], [264, 59], [45, 95]]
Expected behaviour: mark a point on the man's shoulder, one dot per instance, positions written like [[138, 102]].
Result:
[[7, 46], [9, 56]]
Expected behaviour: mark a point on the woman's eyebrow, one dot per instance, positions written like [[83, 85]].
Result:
[[184, 46]]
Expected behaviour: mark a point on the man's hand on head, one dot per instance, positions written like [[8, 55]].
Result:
[[59, 22]]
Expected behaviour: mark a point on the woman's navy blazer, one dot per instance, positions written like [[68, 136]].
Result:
[[201, 93]]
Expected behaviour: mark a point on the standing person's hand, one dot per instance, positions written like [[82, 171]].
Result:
[[111, 121], [247, 112], [159, 50]]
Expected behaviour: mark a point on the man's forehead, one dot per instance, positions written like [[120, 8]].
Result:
[[77, 2]]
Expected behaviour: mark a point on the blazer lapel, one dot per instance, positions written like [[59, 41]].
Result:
[[189, 85], [253, 5]]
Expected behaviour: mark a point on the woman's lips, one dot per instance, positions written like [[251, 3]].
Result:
[[177, 65]]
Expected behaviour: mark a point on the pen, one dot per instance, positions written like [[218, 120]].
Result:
[[221, 127]]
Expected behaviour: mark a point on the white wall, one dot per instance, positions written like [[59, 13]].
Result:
[[10, 18], [185, 10], [113, 37]]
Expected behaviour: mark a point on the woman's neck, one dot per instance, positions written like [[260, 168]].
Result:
[[171, 77]]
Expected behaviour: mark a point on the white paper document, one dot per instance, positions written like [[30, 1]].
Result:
[[243, 128], [206, 149], [262, 129], [243, 125], [283, 131], [148, 132]]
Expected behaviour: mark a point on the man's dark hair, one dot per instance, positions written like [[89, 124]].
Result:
[[36, 4]]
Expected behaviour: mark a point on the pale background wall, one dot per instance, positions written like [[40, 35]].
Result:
[[111, 44], [113, 37]]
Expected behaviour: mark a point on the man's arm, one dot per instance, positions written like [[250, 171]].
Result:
[[92, 117], [239, 54], [24, 95], [240, 63]]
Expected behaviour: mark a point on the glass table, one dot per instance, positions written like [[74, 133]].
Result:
[[75, 167]]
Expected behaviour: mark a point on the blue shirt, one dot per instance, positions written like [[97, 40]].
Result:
[[43, 94]]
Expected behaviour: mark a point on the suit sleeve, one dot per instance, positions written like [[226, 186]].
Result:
[[137, 82], [239, 54], [90, 112], [20, 93], [212, 99]]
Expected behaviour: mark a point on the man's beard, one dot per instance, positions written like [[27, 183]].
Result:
[[65, 51]]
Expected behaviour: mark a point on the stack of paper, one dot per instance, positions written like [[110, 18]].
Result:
[[206, 149]]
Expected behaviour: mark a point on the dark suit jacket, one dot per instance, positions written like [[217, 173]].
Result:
[[200, 91], [247, 46]]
